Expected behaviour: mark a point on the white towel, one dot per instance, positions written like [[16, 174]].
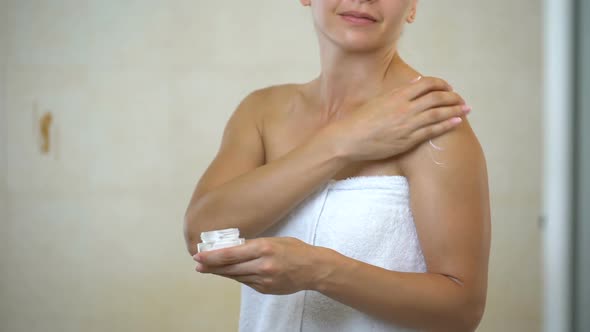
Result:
[[367, 218]]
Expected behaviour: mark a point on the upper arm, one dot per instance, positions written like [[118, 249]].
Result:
[[449, 198], [241, 149]]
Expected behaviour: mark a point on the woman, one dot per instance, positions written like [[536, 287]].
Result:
[[366, 189]]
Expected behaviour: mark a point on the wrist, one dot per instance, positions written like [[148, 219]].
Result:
[[327, 268], [336, 149]]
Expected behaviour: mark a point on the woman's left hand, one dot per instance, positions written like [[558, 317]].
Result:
[[278, 265]]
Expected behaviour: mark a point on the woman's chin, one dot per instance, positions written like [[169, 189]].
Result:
[[359, 46], [355, 41]]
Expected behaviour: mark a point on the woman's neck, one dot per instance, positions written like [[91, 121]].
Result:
[[350, 79]]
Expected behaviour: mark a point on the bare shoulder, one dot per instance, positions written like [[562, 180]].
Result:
[[265, 98], [269, 104], [258, 104], [457, 153]]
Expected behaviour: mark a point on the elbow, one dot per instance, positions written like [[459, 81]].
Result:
[[197, 219], [191, 230], [471, 320], [189, 237], [466, 312], [471, 315]]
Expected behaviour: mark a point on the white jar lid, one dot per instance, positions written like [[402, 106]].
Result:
[[220, 235]]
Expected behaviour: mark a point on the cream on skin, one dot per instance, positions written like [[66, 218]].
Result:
[[450, 204]]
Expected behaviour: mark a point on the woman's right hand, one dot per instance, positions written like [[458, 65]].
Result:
[[395, 122]]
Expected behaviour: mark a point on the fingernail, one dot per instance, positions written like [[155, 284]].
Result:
[[197, 258], [466, 109], [416, 79], [456, 120], [199, 268]]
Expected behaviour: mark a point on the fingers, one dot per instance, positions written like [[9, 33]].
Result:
[[261, 285], [250, 250], [228, 256], [423, 86], [435, 130], [436, 99], [250, 267], [439, 114], [249, 280]]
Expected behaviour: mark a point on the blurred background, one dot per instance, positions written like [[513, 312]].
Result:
[[111, 110]]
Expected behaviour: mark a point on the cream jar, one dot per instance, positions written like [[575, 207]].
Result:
[[223, 238]]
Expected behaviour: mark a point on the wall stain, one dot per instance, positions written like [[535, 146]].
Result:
[[45, 131]]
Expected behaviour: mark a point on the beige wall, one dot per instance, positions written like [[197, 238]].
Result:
[[140, 92], [3, 195], [3, 34]]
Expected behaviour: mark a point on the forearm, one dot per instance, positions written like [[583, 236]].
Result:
[[425, 301], [256, 200]]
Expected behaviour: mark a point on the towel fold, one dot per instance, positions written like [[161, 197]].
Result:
[[367, 218]]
